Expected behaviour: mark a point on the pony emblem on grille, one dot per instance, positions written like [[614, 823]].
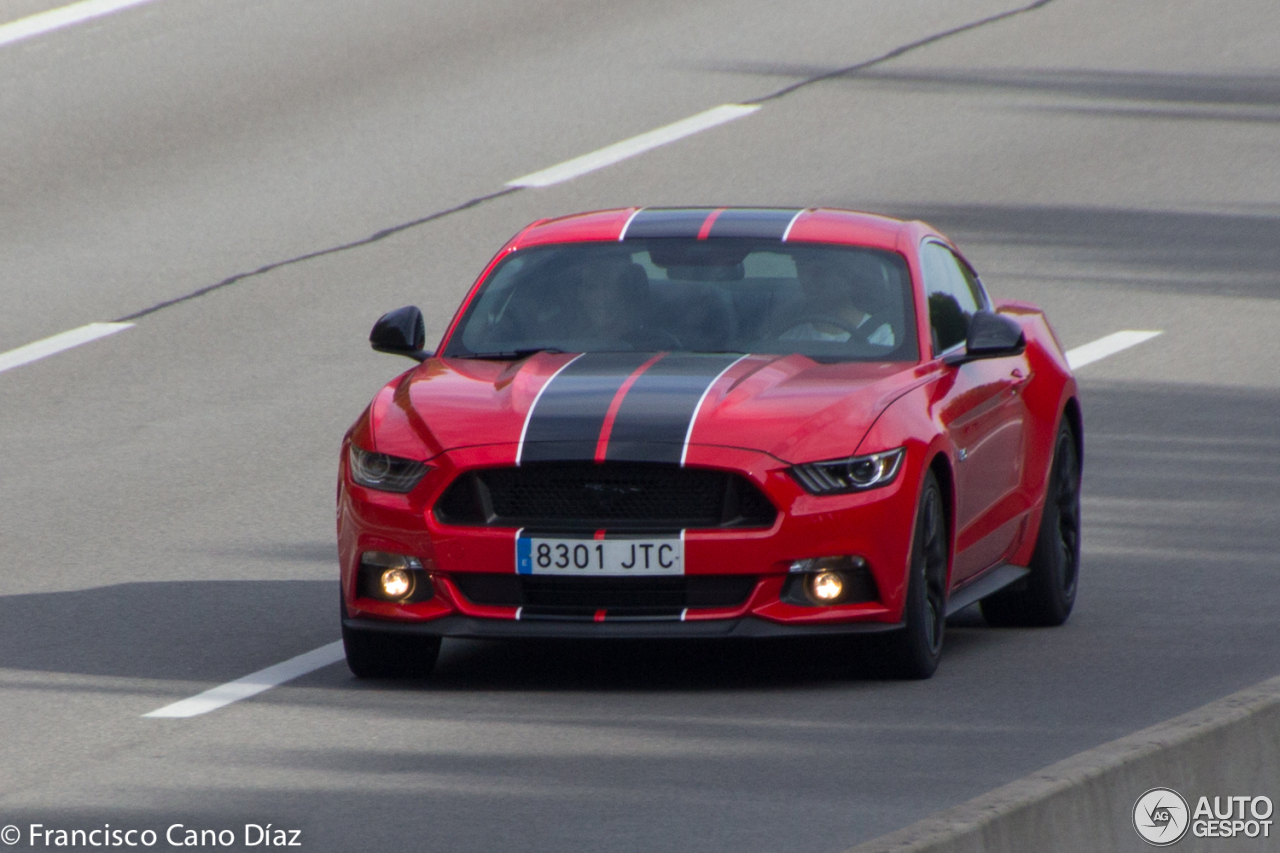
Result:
[[606, 495]]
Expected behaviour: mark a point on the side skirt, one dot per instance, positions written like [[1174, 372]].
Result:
[[986, 584]]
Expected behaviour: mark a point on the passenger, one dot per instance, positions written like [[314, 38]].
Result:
[[613, 295]]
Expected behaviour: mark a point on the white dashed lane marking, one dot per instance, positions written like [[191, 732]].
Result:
[[252, 684], [1103, 347], [63, 16], [619, 151], [58, 343]]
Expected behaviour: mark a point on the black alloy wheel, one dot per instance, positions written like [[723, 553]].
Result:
[[913, 651], [1048, 593]]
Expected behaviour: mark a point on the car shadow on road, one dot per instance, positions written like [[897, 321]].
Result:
[[676, 665], [174, 630], [216, 631]]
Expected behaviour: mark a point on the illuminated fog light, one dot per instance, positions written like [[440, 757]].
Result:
[[392, 577], [396, 583], [829, 581], [826, 587]]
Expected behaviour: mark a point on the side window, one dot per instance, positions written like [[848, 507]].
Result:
[[974, 286], [953, 296]]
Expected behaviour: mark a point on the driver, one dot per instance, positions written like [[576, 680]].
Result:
[[838, 301]]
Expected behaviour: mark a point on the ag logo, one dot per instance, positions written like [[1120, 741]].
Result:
[[1160, 816]]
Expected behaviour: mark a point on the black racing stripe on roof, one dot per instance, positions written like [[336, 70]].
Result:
[[763, 224], [667, 222], [653, 420], [566, 421]]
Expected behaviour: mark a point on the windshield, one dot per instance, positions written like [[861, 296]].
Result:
[[831, 303]]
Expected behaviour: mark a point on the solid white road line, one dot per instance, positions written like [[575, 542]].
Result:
[[253, 684], [1103, 347], [64, 16], [620, 151], [57, 343]]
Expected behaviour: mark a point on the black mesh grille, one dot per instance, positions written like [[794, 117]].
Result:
[[613, 496], [571, 597]]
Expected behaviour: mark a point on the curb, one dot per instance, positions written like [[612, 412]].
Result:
[[1230, 747]]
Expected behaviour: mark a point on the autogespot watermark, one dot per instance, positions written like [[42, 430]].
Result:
[[1162, 817], [175, 835]]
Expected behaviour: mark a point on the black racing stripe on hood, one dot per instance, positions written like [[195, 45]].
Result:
[[673, 222], [762, 224], [566, 420], [654, 417]]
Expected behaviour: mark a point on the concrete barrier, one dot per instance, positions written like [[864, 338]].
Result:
[[1230, 747]]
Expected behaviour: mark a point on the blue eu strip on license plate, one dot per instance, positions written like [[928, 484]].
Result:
[[590, 557]]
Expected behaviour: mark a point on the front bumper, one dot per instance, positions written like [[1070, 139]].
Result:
[[874, 525], [464, 627]]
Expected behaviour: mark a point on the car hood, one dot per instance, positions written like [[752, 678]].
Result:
[[636, 406]]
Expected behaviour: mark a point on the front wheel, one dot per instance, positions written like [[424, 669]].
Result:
[[913, 651], [378, 654], [1046, 596]]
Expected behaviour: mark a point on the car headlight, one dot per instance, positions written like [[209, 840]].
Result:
[[383, 472], [855, 474]]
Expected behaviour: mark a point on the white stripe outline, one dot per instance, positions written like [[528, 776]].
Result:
[[787, 233], [627, 148], [252, 684], [684, 451], [627, 224], [1106, 346], [524, 430], [64, 16], [58, 343]]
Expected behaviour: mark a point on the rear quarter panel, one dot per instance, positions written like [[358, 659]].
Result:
[[1050, 391]]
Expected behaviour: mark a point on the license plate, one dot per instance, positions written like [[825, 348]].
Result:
[[588, 557]]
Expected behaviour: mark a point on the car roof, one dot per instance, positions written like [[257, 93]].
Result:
[[810, 225]]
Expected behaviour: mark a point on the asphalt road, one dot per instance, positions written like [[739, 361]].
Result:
[[167, 519]]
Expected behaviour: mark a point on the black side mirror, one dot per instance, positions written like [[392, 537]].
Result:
[[401, 332], [991, 335]]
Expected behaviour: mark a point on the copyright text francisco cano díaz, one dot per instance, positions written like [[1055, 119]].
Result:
[[249, 835]]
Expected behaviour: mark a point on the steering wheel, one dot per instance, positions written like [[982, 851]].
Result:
[[818, 321]]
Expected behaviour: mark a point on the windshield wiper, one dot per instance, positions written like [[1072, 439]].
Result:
[[511, 355]]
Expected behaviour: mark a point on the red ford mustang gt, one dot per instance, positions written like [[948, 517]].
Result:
[[713, 423]]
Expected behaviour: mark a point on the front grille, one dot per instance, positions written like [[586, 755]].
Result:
[[569, 598], [612, 496]]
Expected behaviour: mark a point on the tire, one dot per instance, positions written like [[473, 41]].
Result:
[[913, 651], [1046, 596], [377, 654]]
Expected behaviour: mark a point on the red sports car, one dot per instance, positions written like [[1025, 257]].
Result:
[[713, 423]]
